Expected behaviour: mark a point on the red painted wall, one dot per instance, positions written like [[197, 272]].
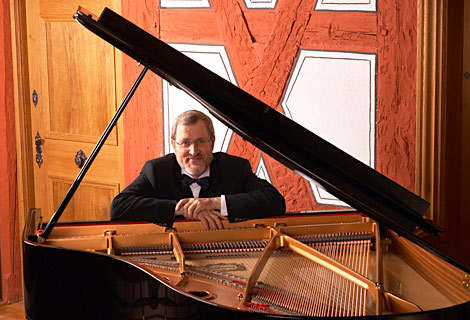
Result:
[[10, 263], [263, 46]]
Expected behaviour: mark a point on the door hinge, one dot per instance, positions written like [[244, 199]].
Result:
[[38, 141]]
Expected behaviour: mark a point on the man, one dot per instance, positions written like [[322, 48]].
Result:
[[196, 183]]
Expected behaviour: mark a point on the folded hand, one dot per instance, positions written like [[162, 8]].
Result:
[[207, 210], [190, 207], [212, 220]]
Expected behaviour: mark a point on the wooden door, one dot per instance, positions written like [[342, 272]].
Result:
[[74, 79]]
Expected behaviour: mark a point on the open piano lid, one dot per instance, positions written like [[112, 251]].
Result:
[[283, 139]]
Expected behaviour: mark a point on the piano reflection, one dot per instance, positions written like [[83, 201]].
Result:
[[370, 263]]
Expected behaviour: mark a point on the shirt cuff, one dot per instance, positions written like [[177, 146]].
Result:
[[223, 206]]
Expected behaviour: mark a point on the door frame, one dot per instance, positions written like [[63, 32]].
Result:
[[12, 291], [430, 104], [24, 141], [437, 180]]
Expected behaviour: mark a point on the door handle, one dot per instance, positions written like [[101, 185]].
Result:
[[80, 159]]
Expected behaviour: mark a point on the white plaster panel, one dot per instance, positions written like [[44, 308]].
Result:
[[333, 95], [184, 4], [262, 171], [176, 101], [346, 5], [260, 4]]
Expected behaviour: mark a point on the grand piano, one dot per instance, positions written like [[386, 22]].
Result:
[[370, 262]]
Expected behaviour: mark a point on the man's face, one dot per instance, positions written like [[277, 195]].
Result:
[[193, 148]]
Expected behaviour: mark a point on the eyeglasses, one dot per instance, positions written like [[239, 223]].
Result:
[[197, 143]]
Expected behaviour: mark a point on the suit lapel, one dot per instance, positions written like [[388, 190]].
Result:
[[184, 191]]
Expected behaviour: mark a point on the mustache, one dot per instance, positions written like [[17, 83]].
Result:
[[193, 157]]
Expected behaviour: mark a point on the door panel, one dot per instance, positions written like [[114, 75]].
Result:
[[87, 86], [77, 78], [100, 194], [63, 10], [61, 161]]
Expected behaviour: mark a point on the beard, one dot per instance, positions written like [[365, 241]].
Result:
[[195, 166]]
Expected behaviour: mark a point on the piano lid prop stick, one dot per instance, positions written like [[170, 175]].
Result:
[[68, 196]]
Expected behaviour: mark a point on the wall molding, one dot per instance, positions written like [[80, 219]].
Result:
[[431, 106]]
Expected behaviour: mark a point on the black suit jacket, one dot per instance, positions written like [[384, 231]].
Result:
[[153, 195]]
